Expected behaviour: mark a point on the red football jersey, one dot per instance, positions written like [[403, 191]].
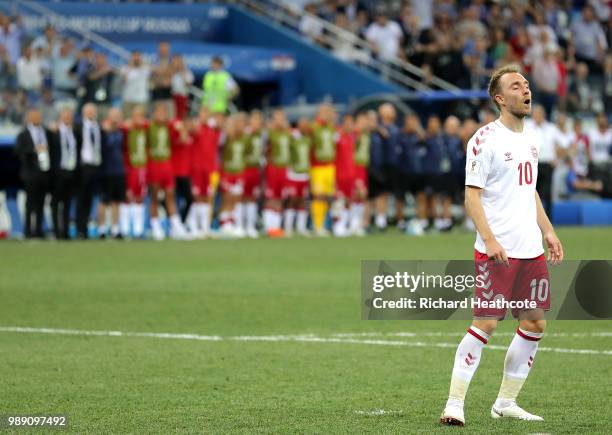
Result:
[[205, 148], [181, 152], [345, 150]]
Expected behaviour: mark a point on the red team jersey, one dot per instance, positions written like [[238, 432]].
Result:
[[181, 153], [204, 158], [345, 164]]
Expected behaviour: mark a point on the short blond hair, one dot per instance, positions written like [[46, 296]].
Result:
[[494, 85]]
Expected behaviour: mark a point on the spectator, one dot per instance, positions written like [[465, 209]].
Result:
[[30, 75], [91, 139], [113, 182], [135, 77], [182, 79], [448, 62], [600, 141], [589, 39], [11, 34], [580, 150], [48, 42], [479, 63], [607, 84], [99, 84], [7, 71], [310, 25], [343, 47], [384, 37], [581, 95], [161, 78], [581, 188], [32, 148], [219, 87], [47, 107], [546, 134], [85, 61], [470, 27], [424, 10], [547, 78], [64, 157], [63, 78]]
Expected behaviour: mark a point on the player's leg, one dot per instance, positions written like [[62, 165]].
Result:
[[357, 207], [156, 228], [251, 190], [467, 359], [238, 210], [533, 285], [319, 204], [493, 281], [302, 212], [290, 211]]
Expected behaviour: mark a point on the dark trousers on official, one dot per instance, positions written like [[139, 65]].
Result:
[[88, 186], [61, 201], [36, 188], [183, 195], [544, 185]]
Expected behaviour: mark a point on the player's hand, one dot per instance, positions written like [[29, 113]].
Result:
[[555, 250], [496, 252]]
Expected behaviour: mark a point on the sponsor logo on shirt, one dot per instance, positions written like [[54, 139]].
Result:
[[508, 156], [534, 152]]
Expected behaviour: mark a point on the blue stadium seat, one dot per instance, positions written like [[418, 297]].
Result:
[[566, 213], [596, 212]]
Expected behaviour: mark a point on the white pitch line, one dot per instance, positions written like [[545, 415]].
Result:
[[303, 338], [461, 334]]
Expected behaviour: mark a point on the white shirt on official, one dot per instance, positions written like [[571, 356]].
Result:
[[546, 137], [601, 143], [505, 165], [91, 150], [68, 148], [41, 147]]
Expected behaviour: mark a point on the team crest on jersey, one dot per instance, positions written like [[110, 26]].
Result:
[[534, 152], [508, 156]]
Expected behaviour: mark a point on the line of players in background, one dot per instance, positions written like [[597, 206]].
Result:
[[315, 176], [294, 172]]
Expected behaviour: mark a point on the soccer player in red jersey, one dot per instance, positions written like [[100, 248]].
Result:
[[298, 179], [501, 198], [182, 141], [232, 175], [206, 133], [135, 133], [278, 157], [160, 174], [252, 173], [345, 175]]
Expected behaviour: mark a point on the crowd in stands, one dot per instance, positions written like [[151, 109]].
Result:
[[53, 71], [564, 46]]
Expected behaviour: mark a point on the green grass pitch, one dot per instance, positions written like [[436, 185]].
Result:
[[289, 352]]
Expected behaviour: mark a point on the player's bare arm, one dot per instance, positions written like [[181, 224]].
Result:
[[553, 244], [474, 209]]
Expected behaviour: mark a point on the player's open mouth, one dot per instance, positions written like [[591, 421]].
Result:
[[527, 102]]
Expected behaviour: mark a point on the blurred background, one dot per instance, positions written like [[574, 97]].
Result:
[[402, 81]]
